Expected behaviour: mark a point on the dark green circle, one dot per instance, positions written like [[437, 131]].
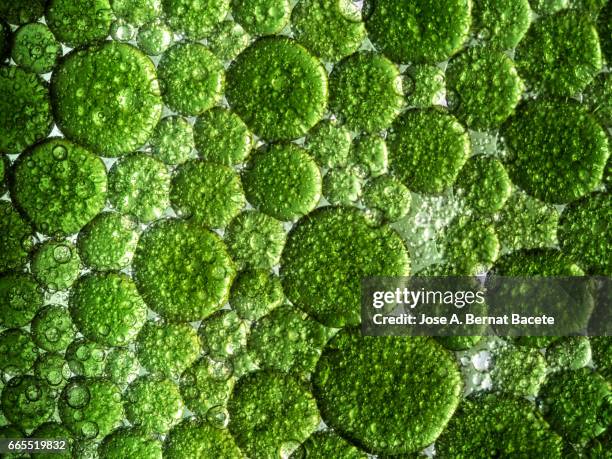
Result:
[[20, 299], [130, 443], [76, 24], [35, 48], [19, 352], [52, 328], [55, 264], [27, 401]]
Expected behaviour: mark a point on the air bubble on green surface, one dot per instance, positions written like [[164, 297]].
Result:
[[598, 97], [560, 54], [261, 17], [167, 349], [54, 430], [369, 156], [557, 150], [90, 407], [224, 334], [386, 198], [139, 185], [155, 37], [116, 114], [130, 443], [107, 308], [197, 439], [502, 23], [25, 109], [55, 264], [192, 78], [428, 374], [76, 24], [176, 293], [424, 86], [569, 353], [172, 141], [329, 142], [15, 238], [470, 244], [108, 241], [18, 353], [20, 299], [255, 293], [35, 48], [52, 328], [260, 406], [153, 404], [518, 370], [52, 368], [137, 12], [86, 358], [227, 40], [330, 29], [278, 88], [222, 137], [27, 401], [358, 103], [427, 149], [282, 181], [122, 31], [327, 255], [342, 186], [206, 385], [122, 366], [326, 443], [195, 18], [22, 11]]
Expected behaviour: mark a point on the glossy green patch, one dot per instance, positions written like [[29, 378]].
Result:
[[197, 439], [19, 353], [155, 37], [261, 17], [602, 355], [369, 156], [569, 353], [536, 262], [255, 293], [76, 24], [137, 12], [228, 40], [326, 443], [224, 335], [172, 141], [20, 299], [86, 358], [130, 443], [206, 386], [55, 264], [52, 328], [518, 371], [424, 85], [52, 368], [386, 198], [502, 23], [329, 143], [27, 401], [35, 48], [22, 11], [470, 245], [122, 366], [342, 186], [598, 97], [195, 18], [222, 137]]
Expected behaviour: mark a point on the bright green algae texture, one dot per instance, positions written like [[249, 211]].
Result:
[[199, 440], [329, 142], [19, 11], [387, 198], [19, 351], [206, 386], [195, 18], [502, 23], [86, 358], [261, 17], [222, 137], [154, 38], [130, 443], [342, 186], [20, 299], [152, 404], [369, 156], [255, 293], [35, 48], [75, 24], [423, 85], [52, 328], [55, 264], [27, 401], [324, 444], [172, 140], [228, 40], [116, 114], [137, 12], [224, 334]]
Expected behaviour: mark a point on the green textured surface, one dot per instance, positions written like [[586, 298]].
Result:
[[27, 401], [228, 40], [387, 198], [50, 430], [222, 137], [329, 142], [255, 293], [598, 98], [75, 24], [342, 186], [199, 440], [604, 27], [35, 48], [86, 358], [19, 353], [369, 156], [424, 85], [55, 264], [518, 370], [324, 444], [261, 17], [195, 18], [20, 299], [569, 353], [602, 355], [502, 23], [206, 386], [52, 368], [154, 405], [22, 11], [172, 141], [122, 366], [52, 328], [130, 443], [223, 334], [137, 12], [155, 37]]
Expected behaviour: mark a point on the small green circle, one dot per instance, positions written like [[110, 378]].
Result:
[[27, 401], [122, 366], [20, 299], [327, 255], [206, 193], [278, 88], [137, 12], [329, 142], [386, 198], [255, 240], [139, 185], [261, 17], [19, 353], [424, 86], [360, 104], [122, 31], [22, 11], [569, 353], [76, 24], [255, 293], [427, 150], [52, 368], [228, 40], [154, 38], [369, 156], [198, 439], [130, 443], [35, 48], [560, 54], [16, 239], [223, 334], [418, 31], [206, 386], [192, 78], [55, 264], [172, 141], [342, 186], [327, 443], [502, 23], [108, 241], [282, 181], [60, 172], [518, 370], [222, 137], [557, 150], [86, 358], [25, 109], [107, 97], [470, 244], [195, 18], [52, 328]]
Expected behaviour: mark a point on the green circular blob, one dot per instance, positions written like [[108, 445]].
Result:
[[60, 172], [116, 113], [35, 48], [20, 299], [598, 97], [342, 186], [27, 401], [206, 386], [76, 24], [557, 150], [329, 143], [182, 271], [222, 137], [386, 198], [137, 12], [420, 30], [130, 443], [491, 425], [483, 87], [255, 240], [560, 54], [255, 293], [224, 334], [139, 185], [575, 402], [483, 184], [86, 358], [424, 86], [90, 407], [324, 444], [261, 17], [269, 409], [601, 347], [369, 156], [604, 27], [54, 430], [122, 31], [518, 370], [228, 40], [427, 149], [167, 349], [360, 104], [569, 353], [52, 368], [585, 232], [108, 241], [52, 328], [278, 88], [288, 340], [430, 384], [331, 29], [192, 78], [25, 109], [122, 366], [55, 264], [327, 255], [107, 308], [536, 262], [282, 181], [154, 38], [207, 194], [172, 141], [195, 18], [18, 353], [154, 405], [21, 11], [193, 439], [15, 238], [502, 23]]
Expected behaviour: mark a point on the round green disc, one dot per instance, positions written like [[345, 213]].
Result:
[[424, 85], [130, 443], [569, 353], [27, 401], [199, 440], [35, 48], [329, 143], [54, 430], [55, 264], [22, 11], [369, 156], [518, 370], [122, 366], [223, 334], [502, 23], [342, 186], [228, 40], [386, 198], [155, 37], [137, 12], [19, 353], [172, 141], [52, 368], [278, 88], [86, 358], [205, 386], [327, 255], [262, 17], [77, 24], [15, 238], [222, 137], [195, 18], [20, 299], [255, 293], [52, 328], [118, 112]]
